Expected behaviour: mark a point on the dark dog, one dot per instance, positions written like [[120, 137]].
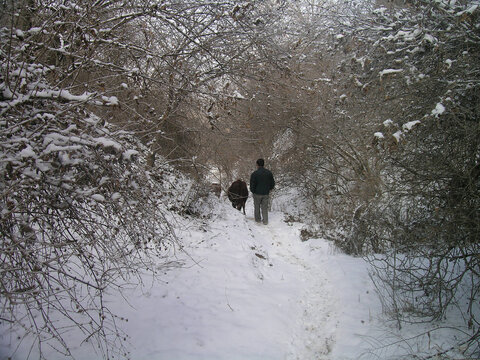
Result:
[[238, 194]]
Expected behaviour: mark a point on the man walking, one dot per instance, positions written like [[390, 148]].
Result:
[[261, 182]]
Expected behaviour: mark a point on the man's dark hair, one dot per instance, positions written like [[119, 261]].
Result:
[[260, 162]]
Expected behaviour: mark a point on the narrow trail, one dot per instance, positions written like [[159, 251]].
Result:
[[238, 290], [313, 334], [245, 291]]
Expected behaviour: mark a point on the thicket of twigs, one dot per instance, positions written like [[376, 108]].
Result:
[[371, 110]]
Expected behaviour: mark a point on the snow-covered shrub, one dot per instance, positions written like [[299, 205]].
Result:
[[389, 159], [432, 176], [79, 214]]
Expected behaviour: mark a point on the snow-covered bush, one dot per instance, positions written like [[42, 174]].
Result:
[[79, 218], [79, 214], [431, 178], [386, 152]]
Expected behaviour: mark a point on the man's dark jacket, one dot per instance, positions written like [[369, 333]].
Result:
[[261, 181]]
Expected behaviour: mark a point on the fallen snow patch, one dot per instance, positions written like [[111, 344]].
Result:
[[127, 155], [98, 197], [108, 143], [389, 71], [408, 126], [439, 109], [388, 123], [28, 152], [398, 135]]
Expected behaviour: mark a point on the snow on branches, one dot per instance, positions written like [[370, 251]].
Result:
[[79, 214], [413, 51]]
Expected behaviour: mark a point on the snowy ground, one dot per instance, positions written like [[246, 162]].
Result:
[[248, 291], [251, 291]]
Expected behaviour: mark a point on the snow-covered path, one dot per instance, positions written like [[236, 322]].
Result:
[[243, 291], [248, 291], [249, 296], [314, 312]]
